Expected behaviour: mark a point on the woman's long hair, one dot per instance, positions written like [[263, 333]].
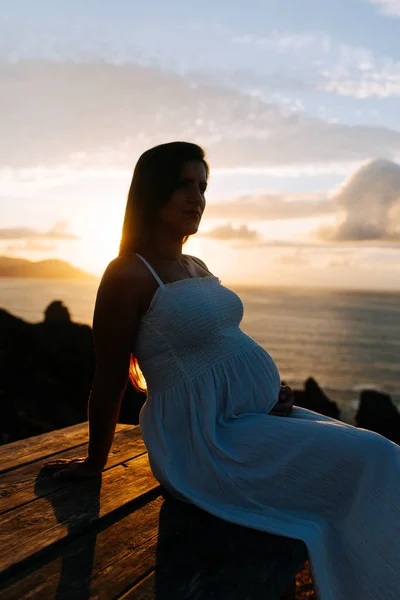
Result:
[[155, 177]]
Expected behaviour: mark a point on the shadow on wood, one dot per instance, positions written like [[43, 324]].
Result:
[[200, 557], [76, 515], [150, 548]]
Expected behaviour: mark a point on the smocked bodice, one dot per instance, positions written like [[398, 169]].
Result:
[[190, 326]]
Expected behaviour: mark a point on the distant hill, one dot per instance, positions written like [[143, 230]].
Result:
[[43, 269]]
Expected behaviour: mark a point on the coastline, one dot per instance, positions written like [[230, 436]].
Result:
[[331, 337]]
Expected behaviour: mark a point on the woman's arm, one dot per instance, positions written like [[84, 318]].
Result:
[[115, 325]]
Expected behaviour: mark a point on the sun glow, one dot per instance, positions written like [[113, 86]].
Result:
[[100, 237], [100, 241]]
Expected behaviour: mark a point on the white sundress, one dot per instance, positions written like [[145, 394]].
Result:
[[212, 442]]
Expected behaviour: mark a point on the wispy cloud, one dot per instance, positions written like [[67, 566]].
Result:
[[370, 245], [230, 232], [387, 7], [65, 116], [272, 207], [329, 65], [279, 41], [292, 258], [373, 80], [341, 260], [59, 231], [30, 246]]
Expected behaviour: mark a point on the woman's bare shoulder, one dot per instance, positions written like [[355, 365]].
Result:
[[125, 269], [199, 262], [122, 292], [127, 282]]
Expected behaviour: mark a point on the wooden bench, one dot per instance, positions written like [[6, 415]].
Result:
[[120, 536]]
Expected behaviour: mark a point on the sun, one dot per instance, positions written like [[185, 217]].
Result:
[[100, 244], [99, 232], [100, 237]]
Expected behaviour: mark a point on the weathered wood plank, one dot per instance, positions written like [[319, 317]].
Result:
[[100, 564], [144, 590], [70, 510], [17, 486], [42, 446], [202, 557], [178, 552]]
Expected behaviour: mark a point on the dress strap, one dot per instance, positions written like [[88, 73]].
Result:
[[152, 271]]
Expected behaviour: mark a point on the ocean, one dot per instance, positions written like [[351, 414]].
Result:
[[346, 340]]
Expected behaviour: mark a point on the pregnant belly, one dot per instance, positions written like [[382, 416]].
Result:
[[248, 382]]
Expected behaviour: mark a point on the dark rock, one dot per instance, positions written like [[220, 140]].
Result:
[[316, 400], [62, 367], [377, 412], [46, 373], [15, 340]]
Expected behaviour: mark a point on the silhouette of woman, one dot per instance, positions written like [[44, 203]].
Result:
[[220, 430]]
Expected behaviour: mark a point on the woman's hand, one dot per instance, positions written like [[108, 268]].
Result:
[[72, 468], [284, 406]]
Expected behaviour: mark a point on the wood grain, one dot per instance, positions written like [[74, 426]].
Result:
[[43, 446], [71, 510], [144, 590], [163, 551], [100, 564], [110, 537], [17, 486]]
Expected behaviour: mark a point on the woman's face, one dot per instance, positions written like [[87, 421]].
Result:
[[185, 207]]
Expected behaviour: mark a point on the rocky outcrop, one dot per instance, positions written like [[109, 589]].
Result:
[[377, 412], [46, 375], [313, 398]]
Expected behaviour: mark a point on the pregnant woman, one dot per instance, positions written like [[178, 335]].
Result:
[[219, 432]]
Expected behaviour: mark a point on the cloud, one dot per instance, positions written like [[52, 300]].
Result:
[[341, 260], [356, 71], [296, 258], [372, 245], [365, 86], [279, 41], [105, 115], [31, 246], [387, 7], [229, 232], [271, 207], [325, 245], [318, 61], [368, 205], [59, 231]]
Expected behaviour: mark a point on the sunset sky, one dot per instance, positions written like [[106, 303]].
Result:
[[296, 103]]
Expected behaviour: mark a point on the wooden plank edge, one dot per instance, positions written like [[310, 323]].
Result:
[[140, 532], [29, 473], [42, 523], [102, 523], [142, 590], [55, 488], [58, 434]]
